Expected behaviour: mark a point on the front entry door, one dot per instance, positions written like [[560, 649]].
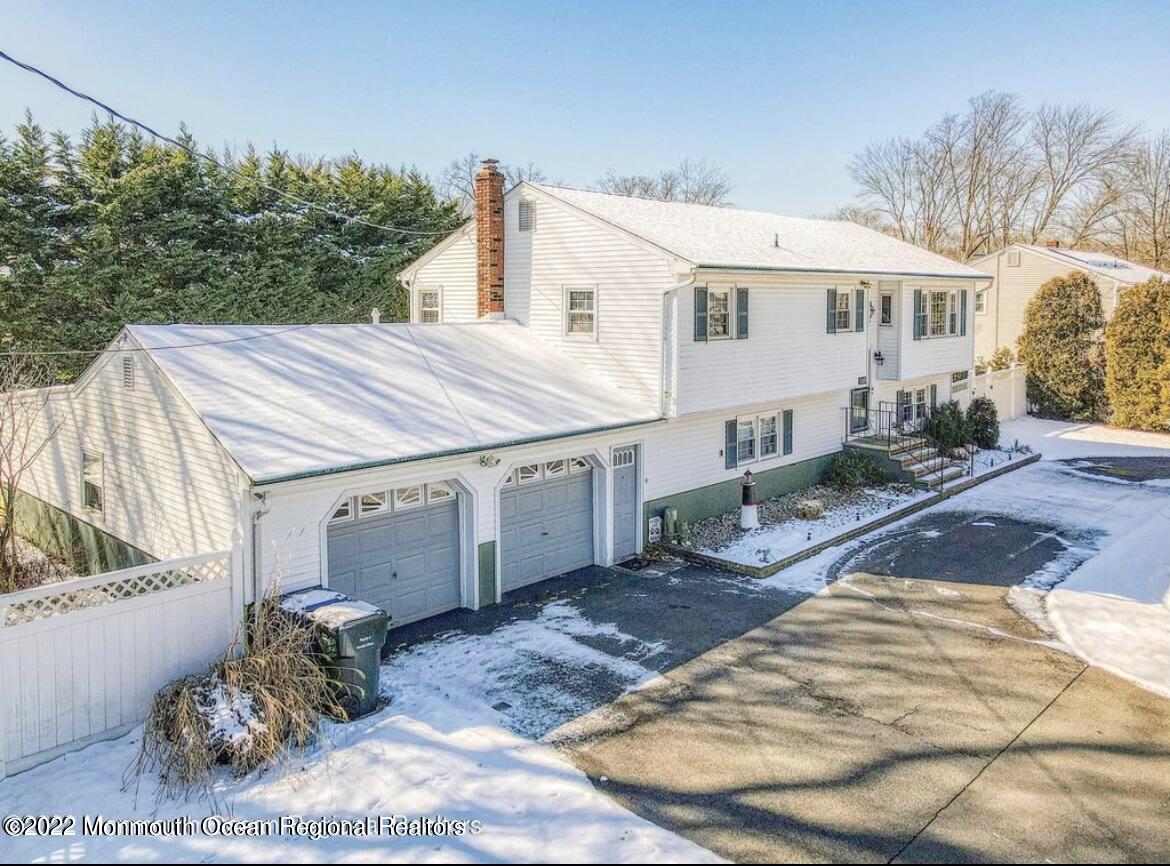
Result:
[[859, 410]]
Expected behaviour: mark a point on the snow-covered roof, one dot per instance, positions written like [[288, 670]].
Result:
[[1117, 269], [723, 237], [289, 401]]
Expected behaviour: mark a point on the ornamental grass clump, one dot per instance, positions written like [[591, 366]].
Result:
[[267, 695]]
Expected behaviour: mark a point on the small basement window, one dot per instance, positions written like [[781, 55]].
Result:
[[92, 482]]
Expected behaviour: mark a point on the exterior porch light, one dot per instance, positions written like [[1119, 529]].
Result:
[[879, 358], [489, 460]]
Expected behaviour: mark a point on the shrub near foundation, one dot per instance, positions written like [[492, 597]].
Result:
[[854, 469]]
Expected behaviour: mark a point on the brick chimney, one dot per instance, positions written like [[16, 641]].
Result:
[[489, 240], [1053, 244]]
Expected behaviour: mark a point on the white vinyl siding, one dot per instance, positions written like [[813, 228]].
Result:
[[454, 270], [1007, 298], [937, 354], [889, 337], [167, 487], [790, 354], [570, 250]]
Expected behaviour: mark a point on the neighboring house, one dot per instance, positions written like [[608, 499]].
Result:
[[575, 362], [1021, 269]]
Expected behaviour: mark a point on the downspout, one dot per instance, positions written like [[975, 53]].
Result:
[[262, 507], [666, 395]]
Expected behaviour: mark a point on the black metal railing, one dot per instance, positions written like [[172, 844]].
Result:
[[902, 429]]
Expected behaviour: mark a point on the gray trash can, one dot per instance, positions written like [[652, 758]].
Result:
[[350, 634]]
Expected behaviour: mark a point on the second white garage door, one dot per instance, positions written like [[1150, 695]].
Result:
[[546, 522]]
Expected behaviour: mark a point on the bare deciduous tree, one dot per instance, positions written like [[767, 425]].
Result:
[[997, 173], [692, 181], [25, 431], [457, 181], [1142, 221]]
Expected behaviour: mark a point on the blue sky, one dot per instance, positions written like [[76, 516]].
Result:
[[779, 94]]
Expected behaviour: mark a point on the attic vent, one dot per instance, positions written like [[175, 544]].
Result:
[[527, 215], [128, 372], [1013, 258]]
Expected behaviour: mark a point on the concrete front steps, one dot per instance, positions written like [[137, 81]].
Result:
[[910, 460]]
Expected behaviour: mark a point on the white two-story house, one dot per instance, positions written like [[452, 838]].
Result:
[[575, 362]]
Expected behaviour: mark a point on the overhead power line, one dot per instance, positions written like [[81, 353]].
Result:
[[56, 82]]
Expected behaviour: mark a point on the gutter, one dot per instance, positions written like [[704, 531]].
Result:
[[853, 272], [258, 513], [450, 452]]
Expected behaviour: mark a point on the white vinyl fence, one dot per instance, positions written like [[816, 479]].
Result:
[[81, 659], [1006, 388]]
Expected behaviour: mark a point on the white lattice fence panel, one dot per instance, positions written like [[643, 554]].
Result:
[[69, 599]]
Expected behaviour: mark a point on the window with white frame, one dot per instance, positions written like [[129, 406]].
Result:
[[440, 491], [408, 497], [844, 300], [906, 405], [578, 464], [718, 314], [527, 215], [745, 441], [937, 314], [887, 308], [581, 312], [344, 512], [373, 503], [920, 403], [981, 302], [430, 305], [528, 474], [769, 440], [92, 482]]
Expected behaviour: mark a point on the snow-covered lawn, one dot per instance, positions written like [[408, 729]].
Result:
[[1064, 440], [439, 749]]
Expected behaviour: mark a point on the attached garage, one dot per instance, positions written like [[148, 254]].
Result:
[[399, 549], [546, 521]]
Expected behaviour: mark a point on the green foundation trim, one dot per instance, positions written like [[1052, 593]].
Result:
[[720, 498], [81, 545], [487, 573]]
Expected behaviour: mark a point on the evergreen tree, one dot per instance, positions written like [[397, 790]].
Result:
[[115, 228], [1137, 354], [1061, 347]]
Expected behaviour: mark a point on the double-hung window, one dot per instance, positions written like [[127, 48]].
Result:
[[769, 441], [938, 314], [92, 482], [745, 441], [844, 320], [981, 302], [718, 314], [920, 403], [430, 305], [581, 312]]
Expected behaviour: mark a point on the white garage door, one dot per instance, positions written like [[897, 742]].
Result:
[[546, 522], [398, 550]]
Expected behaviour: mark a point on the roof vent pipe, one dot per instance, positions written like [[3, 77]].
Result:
[[776, 240], [376, 316]]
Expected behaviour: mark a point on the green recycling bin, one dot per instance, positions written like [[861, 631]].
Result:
[[350, 634]]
